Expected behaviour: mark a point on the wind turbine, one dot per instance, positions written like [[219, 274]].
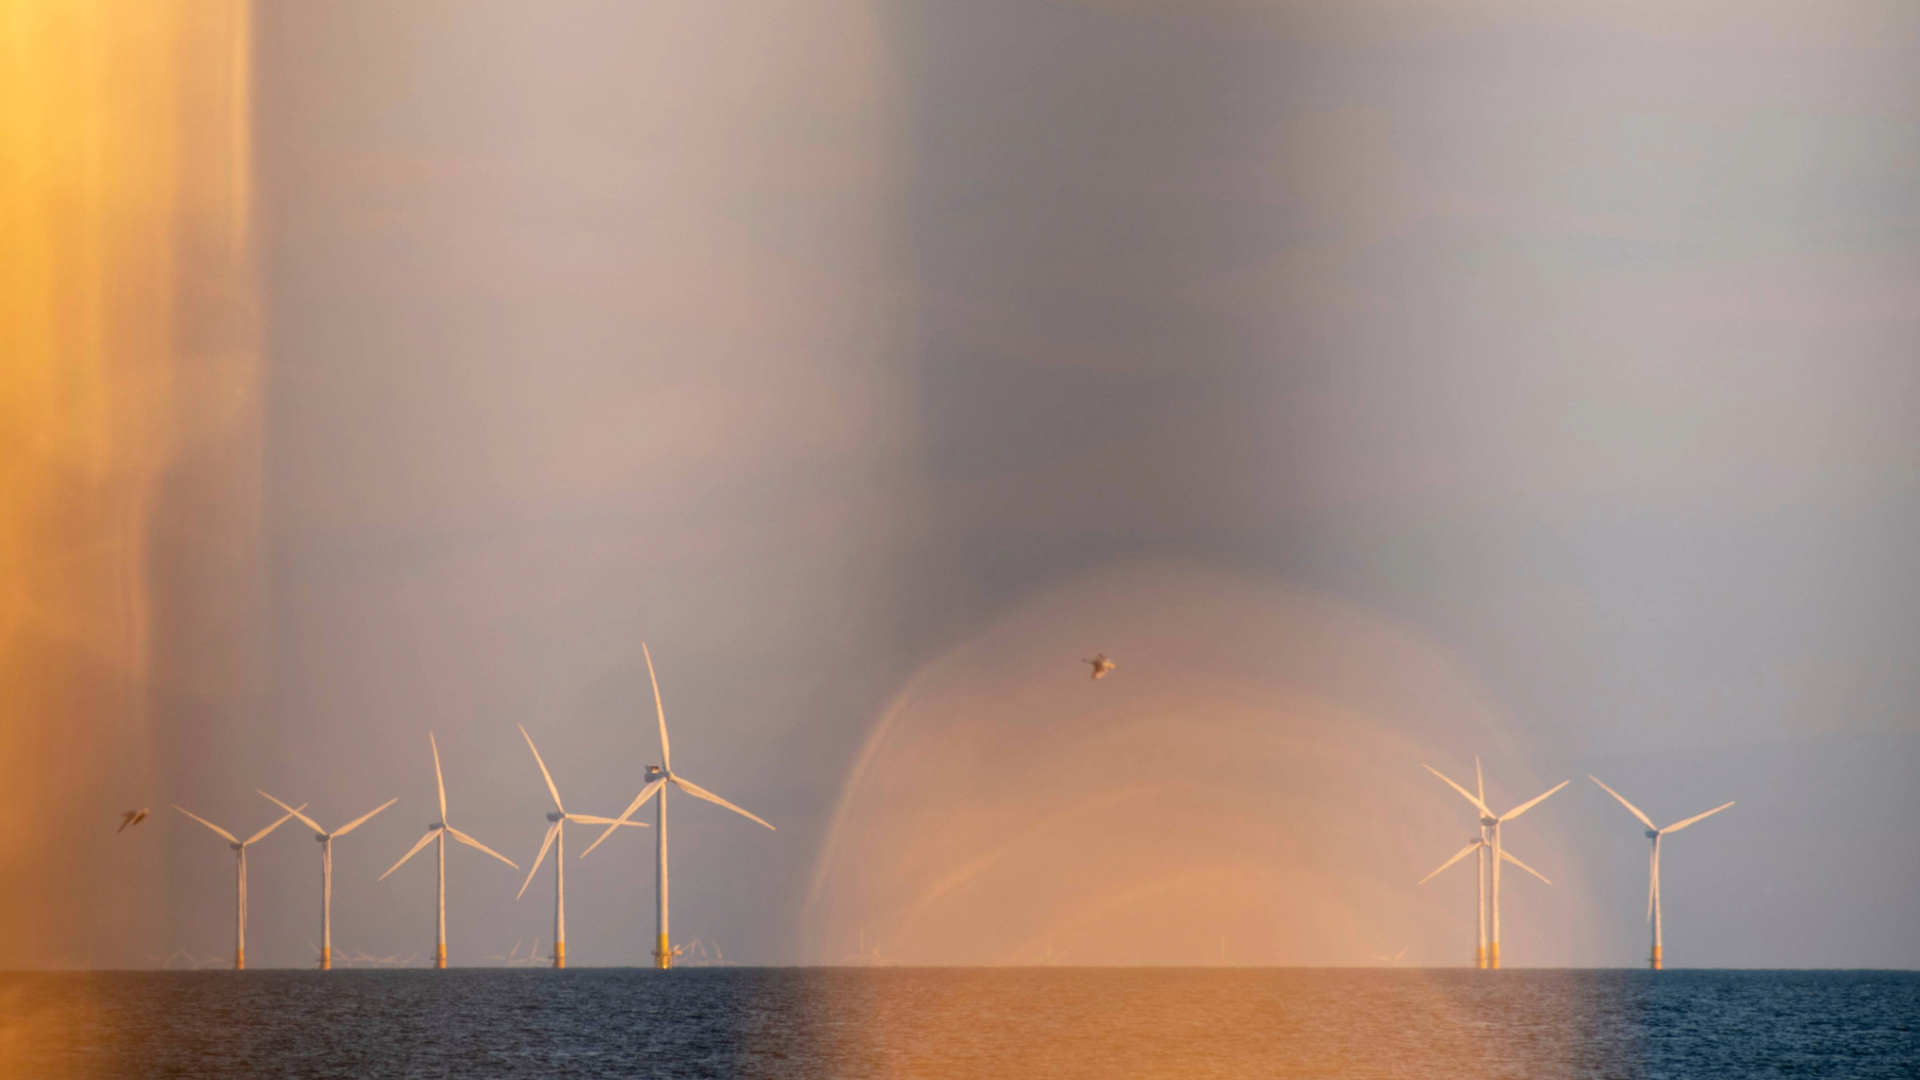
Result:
[[240, 878], [658, 777], [440, 830], [1654, 833], [557, 835], [326, 868], [1492, 854]]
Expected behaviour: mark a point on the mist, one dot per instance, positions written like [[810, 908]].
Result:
[[1379, 384]]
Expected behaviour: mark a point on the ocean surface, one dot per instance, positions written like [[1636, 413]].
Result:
[[997, 1023]]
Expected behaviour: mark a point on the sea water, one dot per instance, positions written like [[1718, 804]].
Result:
[[1002, 1024]]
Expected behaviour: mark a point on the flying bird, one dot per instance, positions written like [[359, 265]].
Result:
[[131, 818], [1101, 665]]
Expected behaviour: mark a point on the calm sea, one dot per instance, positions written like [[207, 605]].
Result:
[[992, 1023]]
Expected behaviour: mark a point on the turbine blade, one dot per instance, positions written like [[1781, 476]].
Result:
[[424, 841], [289, 816], [699, 792], [1508, 856], [1634, 810], [540, 858], [362, 819], [231, 839], [1533, 802], [438, 780], [1468, 795], [304, 819], [551, 790], [595, 819], [666, 755], [1461, 854], [645, 794], [472, 843], [1479, 781], [1677, 826]]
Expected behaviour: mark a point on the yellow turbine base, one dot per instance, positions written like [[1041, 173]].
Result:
[[559, 954], [326, 958], [1493, 956], [440, 957], [1653, 959], [1480, 956], [239, 959], [662, 954]]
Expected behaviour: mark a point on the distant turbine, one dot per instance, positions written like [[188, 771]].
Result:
[[658, 776], [240, 879], [440, 830], [1654, 833], [557, 836], [1492, 855], [326, 868]]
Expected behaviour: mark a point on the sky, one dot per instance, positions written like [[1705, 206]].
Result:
[[1380, 384]]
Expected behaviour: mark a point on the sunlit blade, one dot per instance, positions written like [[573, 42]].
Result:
[[551, 790], [1634, 810], [424, 841], [666, 755], [362, 819], [1463, 853], [1479, 781], [1533, 802], [231, 839], [472, 843], [439, 782], [304, 819], [1508, 856], [594, 819], [1468, 795], [1678, 825], [538, 859], [699, 792], [289, 816], [638, 800]]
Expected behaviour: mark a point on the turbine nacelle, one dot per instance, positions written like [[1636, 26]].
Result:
[[555, 815], [1653, 834], [1489, 821]]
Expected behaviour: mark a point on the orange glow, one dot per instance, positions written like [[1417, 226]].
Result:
[[127, 327], [1245, 790]]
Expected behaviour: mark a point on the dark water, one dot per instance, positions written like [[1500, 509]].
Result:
[[996, 1023]]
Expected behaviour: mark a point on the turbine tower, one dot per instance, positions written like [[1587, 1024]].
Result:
[[326, 868], [240, 878], [658, 777], [1492, 853], [557, 835], [440, 830], [1654, 833]]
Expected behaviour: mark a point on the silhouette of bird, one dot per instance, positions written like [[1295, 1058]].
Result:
[[131, 818], [1101, 665]]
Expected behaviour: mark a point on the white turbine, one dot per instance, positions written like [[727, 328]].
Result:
[[326, 868], [658, 777], [557, 838], [1654, 833], [240, 878], [440, 830], [1491, 856]]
